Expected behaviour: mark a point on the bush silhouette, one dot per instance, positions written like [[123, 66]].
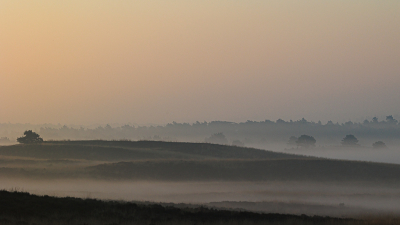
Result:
[[350, 140], [30, 137], [306, 141], [379, 145]]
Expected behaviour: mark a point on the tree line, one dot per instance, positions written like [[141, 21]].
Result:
[[306, 141], [249, 132]]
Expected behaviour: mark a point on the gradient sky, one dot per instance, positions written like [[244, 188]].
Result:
[[103, 61]]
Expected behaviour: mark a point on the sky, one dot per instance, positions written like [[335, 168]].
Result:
[[103, 61]]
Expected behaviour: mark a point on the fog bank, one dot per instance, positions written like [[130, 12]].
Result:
[[358, 197]]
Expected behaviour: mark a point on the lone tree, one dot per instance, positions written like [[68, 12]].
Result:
[[379, 145], [306, 141], [350, 140], [30, 137]]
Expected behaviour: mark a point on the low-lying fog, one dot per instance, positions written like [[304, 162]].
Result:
[[346, 196], [388, 155]]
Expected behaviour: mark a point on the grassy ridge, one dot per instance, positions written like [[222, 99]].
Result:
[[24, 208], [128, 150], [199, 149]]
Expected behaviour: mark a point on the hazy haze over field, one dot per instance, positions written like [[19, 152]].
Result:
[[86, 62], [309, 198]]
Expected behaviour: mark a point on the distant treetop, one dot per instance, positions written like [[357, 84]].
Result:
[[350, 140], [391, 120], [306, 141], [379, 145]]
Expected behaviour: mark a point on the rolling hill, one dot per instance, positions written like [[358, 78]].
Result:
[[173, 161]]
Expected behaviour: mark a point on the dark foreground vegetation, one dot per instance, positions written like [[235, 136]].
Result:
[[24, 208]]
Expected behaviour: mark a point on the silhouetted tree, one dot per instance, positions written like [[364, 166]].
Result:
[[379, 145], [349, 123], [306, 141], [330, 123], [218, 138], [391, 120], [350, 140], [280, 121], [30, 137]]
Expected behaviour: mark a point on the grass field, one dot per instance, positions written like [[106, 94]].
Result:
[[146, 160], [213, 175]]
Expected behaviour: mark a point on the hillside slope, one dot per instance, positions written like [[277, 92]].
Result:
[[129, 150], [173, 161]]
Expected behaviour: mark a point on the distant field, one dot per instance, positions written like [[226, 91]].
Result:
[[172, 161], [215, 175], [179, 161]]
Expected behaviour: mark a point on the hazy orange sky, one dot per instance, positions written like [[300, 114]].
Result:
[[103, 61]]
